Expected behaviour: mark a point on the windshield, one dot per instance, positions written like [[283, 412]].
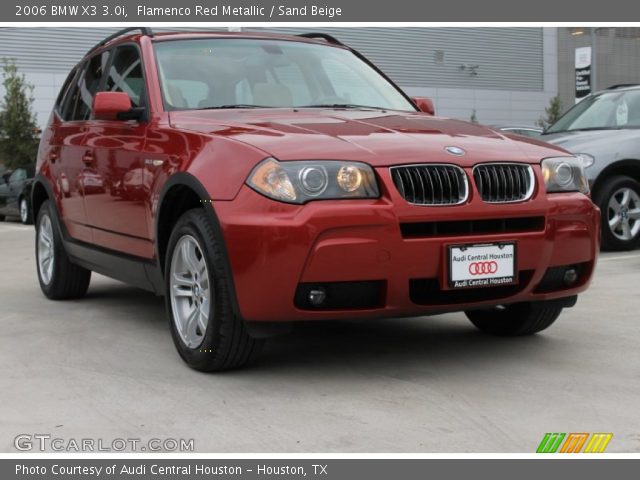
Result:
[[610, 110], [246, 73]]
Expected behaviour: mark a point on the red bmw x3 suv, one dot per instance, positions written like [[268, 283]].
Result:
[[255, 180]]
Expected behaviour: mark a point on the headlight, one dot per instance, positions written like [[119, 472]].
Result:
[[303, 181], [564, 174], [586, 159]]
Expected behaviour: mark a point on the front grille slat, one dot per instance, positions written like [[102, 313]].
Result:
[[503, 182], [431, 184]]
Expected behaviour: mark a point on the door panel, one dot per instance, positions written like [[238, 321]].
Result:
[[68, 152], [117, 212]]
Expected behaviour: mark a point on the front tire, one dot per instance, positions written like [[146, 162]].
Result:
[[59, 278], [515, 320], [619, 202], [25, 212], [205, 330]]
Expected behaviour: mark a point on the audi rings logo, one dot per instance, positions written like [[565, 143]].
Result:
[[483, 268]]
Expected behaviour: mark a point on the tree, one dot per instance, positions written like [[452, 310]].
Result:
[[553, 111], [18, 128]]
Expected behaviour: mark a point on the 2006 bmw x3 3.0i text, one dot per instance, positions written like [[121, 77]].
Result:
[[256, 180]]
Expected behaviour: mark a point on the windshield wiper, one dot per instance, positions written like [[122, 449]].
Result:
[[235, 105], [341, 105]]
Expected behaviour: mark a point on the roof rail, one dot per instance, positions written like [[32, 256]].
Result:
[[623, 85], [324, 36], [143, 30]]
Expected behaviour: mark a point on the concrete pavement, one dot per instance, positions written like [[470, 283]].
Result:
[[105, 367]]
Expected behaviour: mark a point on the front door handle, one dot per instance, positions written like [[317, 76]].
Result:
[[87, 158], [53, 156]]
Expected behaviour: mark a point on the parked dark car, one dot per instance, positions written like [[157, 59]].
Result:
[[15, 194], [604, 130]]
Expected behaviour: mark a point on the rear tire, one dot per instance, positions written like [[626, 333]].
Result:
[[206, 332], [515, 320], [59, 278], [619, 201]]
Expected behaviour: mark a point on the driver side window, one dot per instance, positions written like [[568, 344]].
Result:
[[125, 75]]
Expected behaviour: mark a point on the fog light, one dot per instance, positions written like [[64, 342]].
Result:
[[570, 276], [317, 297]]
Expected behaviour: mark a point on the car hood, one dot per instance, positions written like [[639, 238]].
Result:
[[376, 137], [592, 141]]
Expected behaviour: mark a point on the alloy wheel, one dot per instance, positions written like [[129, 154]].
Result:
[[190, 291], [46, 252], [24, 211], [623, 214]]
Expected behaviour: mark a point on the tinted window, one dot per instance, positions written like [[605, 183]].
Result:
[[125, 75], [81, 95], [19, 175]]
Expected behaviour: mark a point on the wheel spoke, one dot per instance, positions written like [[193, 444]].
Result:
[[615, 222], [634, 214], [614, 205], [203, 319], [180, 291], [626, 196], [189, 256], [180, 279], [626, 231], [191, 323]]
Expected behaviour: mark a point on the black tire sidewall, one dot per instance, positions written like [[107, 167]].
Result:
[[516, 319], [609, 240]]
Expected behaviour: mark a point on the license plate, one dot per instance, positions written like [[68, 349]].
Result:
[[486, 265]]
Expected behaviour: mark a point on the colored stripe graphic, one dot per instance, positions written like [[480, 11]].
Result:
[[598, 443], [574, 443], [550, 443]]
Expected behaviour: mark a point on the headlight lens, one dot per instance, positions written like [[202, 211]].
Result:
[[564, 174], [586, 159], [303, 181]]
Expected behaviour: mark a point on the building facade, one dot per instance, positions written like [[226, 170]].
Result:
[[617, 58], [496, 75]]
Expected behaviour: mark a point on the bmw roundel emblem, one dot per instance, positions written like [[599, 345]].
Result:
[[457, 151]]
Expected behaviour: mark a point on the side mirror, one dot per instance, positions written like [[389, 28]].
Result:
[[115, 106], [425, 105]]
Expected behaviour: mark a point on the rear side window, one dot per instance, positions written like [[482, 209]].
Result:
[[81, 93], [125, 75]]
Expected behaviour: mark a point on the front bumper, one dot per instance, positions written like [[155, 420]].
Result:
[[275, 249]]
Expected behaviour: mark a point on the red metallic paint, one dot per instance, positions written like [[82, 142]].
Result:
[[425, 105], [273, 246], [107, 105]]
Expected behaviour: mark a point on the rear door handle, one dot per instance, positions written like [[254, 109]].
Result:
[[87, 158], [53, 156]]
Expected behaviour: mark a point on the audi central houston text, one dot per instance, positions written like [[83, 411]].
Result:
[[256, 180]]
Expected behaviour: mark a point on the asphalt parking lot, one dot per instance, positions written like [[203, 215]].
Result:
[[105, 367]]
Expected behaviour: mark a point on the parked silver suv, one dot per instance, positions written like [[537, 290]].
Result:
[[604, 129]]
